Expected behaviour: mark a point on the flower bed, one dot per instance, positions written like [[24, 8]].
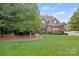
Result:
[[18, 37]]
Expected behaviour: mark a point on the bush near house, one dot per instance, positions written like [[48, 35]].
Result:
[[57, 33]]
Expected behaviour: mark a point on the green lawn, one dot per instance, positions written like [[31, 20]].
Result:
[[47, 46]]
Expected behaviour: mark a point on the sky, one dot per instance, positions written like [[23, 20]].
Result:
[[61, 11]]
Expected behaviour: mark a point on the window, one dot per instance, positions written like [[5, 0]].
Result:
[[54, 21], [43, 22], [56, 29]]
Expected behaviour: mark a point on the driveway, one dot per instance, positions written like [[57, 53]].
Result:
[[70, 33]]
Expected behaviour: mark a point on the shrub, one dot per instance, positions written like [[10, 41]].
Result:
[[58, 33]]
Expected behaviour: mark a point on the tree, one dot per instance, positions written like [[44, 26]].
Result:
[[74, 21], [30, 21], [7, 17], [19, 17]]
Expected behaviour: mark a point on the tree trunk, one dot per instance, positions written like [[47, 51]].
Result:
[[2, 32], [30, 35]]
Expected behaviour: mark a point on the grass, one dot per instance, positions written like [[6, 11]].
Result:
[[55, 45]]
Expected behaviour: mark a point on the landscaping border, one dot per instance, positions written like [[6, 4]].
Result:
[[22, 39]]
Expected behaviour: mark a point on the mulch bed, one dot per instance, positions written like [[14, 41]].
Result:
[[18, 37]]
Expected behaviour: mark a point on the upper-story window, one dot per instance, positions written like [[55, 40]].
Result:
[[43, 22], [54, 21]]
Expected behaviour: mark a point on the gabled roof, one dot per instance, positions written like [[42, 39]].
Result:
[[47, 18], [50, 20]]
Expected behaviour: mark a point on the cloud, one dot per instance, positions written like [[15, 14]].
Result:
[[75, 8], [45, 8], [49, 7], [59, 13], [42, 13], [58, 4]]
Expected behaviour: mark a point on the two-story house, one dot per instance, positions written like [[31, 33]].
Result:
[[51, 24]]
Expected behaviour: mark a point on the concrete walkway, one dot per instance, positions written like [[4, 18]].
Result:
[[70, 33]]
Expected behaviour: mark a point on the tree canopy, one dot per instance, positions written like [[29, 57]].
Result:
[[74, 21], [21, 17]]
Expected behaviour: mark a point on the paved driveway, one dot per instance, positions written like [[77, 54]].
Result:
[[70, 33]]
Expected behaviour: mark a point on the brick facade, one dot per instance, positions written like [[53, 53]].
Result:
[[51, 24]]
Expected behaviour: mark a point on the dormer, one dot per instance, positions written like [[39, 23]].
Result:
[[54, 21]]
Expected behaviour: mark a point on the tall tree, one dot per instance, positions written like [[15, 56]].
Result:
[[30, 21], [7, 17], [74, 21], [20, 17]]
